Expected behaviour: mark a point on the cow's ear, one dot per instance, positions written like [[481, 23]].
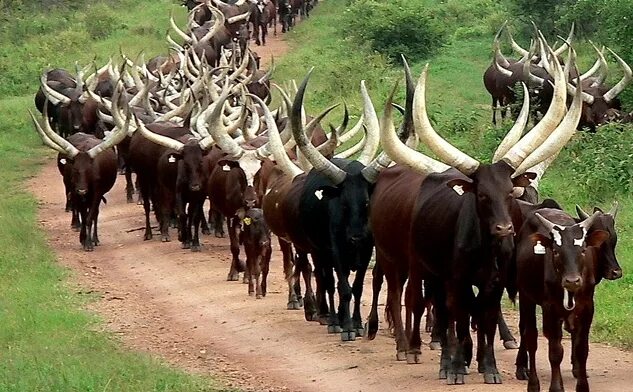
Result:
[[538, 238], [328, 192], [173, 157], [523, 180], [596, 238], [461, 185]]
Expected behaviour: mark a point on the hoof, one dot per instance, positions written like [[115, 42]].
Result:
[[323, 320], [259, 296], [454, 379], [360, 332], [401, 356], [348, 336], [521, 374], [311, 316], [165, 238], [443, 374], [130, 200], [219, 235], [206, 231], [467, 371], [435, 345], [413, 358], [233, 277], [185, 245], [148, 237], [251, 293], [300, 300], [511, 345], [333, 329], [293, 305], [76, 228], [492, 378]]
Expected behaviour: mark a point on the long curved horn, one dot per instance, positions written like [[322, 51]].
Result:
[[347, 136], [566, 43], [115, 138], [517, 154], [373, 127], [540, 169], [443, 149], [71, 151], [218, 131], [352, 150], [398, 151], [175, 27], [53, 96], [532, 79], [549, 226], [558, 138], [319, 162], [217, 25], [614, 210], [516, 131], [516, 47], [499, 57], [596, 65], [505, 72], [238, 18], [45, 139], [626, 79], [159, 139]]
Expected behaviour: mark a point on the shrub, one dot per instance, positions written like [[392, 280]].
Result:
[[394, 28], [100, 21], [602, 162]]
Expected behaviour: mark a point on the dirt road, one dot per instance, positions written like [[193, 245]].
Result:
[[178, 305]]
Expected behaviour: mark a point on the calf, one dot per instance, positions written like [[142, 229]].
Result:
[[555, 269], [255, 236]]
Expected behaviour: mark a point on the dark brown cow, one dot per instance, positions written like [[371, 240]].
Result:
[[255, 237], [90, 172], [459, 226], [555, 269], [65, 100]]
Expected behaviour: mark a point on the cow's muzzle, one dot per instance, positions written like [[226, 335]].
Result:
[[503, 229]]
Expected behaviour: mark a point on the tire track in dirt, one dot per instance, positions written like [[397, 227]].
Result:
[[178, 305]]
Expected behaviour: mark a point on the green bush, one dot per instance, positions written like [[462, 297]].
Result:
[[100, 21], [394, 28], [602, 162]]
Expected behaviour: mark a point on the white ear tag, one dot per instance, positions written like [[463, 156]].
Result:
[[539, 249], [459, 189], [267, 191], [226, 168], [62, 161], [172, 159], [319, 194]]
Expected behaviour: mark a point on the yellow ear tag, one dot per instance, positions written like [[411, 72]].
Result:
[[247, 221]]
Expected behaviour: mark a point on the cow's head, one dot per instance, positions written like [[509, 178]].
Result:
[[255, 233], [608, 266], [568, 245]]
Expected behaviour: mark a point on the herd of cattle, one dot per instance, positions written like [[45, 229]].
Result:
[[196, 125]]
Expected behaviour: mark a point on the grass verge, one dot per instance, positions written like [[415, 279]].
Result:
[[48, 343]]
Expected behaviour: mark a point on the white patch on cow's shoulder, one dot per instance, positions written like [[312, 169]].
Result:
[[539, 249], [319, 194], [62, 161], [172, 159], [226, 168], [459, 189]]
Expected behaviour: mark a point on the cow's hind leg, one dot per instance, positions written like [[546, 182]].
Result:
[[509, 342], [288, 264]]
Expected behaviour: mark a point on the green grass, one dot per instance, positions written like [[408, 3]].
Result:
[[47, 341], [460, 108]]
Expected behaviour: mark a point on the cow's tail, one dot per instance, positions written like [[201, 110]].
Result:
[[372, 321]]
